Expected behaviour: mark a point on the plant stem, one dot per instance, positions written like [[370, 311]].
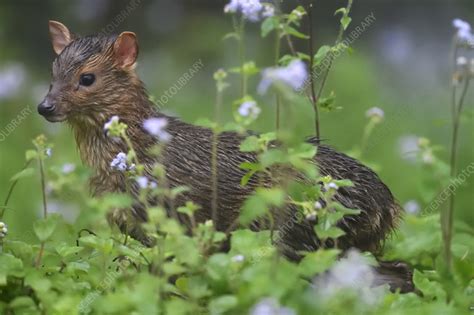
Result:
[[447, 218], [10, 191], [277, 96], [43, 187], [215, 140], [241, 30], [338, 40], [365, 137], [313, 98], [45, 204]]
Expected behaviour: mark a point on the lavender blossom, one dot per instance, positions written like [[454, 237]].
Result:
[[249, 109], [270, 306], [3, 230], [156, 127], [119, 163], [412, 207], [463, 30], [68, 168], [113, 120], [375, 112], [350, 273], [144, 183], [251, 10], [293, 75], [268, 10]]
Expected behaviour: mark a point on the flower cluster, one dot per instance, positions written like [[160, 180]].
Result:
[[375, 113], [293, 75], [350, 273], [252, 10], [114, 128], [464, 33], [412, 207], [270, 306], [120, 163], [249, 109], [331, 185], [68, 168], [112, 121], [156, 127], [3, 230], [144, 183]]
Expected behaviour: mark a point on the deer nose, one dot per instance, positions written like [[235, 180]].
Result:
[[46, 107]]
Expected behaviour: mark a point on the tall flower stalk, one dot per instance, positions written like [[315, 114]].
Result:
[[345, 20], [461, 77], [42, 153]]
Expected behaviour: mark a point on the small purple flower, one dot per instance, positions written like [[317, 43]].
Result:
[[464, 30], [412, 207], [270, 306], [461, 25], [268, 10], [156, 127], [12, 78], [375, 112], [119, 163], [250, 9], [3, 230], [293, 75], [318, 205], [461, 61], [68, 168], [144, 183], [332, 185], [48, 152], [249, 109], [238, 258], [113, 120]]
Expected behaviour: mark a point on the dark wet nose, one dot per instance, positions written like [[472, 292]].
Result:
[[46, 107]]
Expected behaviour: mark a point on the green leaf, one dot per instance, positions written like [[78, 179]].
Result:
[[10, 266], [317, 262], [332, 232], [293, 32], [44, 228], [231, 35], [345, 21], [27, 172], [258, 204], [321, 54], [253, 208], [222, 304], [430, 289], [38, 282], [252, 169], [250, 144], [268, 25], [250, 68], [31, 154], [22, 304], [341, 10], [328, 104], [66, 251], [272, 157]]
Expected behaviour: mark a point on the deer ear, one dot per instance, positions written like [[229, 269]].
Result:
[[126, 49], [60, 36]]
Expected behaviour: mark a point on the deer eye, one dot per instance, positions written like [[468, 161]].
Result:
[[86, 79]]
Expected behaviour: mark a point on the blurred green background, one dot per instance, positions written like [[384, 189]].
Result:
[[401, 64]]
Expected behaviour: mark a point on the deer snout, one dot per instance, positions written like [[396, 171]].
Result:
[[46, 107]]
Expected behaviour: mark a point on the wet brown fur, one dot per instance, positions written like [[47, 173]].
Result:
[[187, 157]]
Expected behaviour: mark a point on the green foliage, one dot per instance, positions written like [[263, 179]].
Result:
[[90, 268]]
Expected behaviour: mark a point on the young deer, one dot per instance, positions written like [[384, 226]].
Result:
[[94, 78]]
